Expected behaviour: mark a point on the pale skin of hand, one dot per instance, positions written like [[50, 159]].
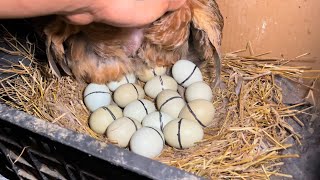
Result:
[[121, 13]]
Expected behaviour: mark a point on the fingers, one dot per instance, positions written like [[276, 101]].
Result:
[[80, 19], [175, 4], [125, 13]]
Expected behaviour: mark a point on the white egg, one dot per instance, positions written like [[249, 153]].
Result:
[[201, 111], [138, 109], [157, 120], [170, 102], [181, 133], [199, 90], [158, 84], [147, 142], [147, 74], [101, 118], [128, 78], [127, 93], [96, 95], [121, 130], [186, 72]]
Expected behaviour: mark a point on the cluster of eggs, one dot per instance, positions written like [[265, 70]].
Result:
[[180, 108]]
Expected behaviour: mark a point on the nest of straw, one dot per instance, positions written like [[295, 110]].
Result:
[[253, 130]]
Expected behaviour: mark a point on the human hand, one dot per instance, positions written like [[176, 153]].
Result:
[[123, 13]]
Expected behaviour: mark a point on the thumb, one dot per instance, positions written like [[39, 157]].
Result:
[[175, 4]]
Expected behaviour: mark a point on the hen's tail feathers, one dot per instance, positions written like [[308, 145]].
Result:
[[208, 24], [56, 33], [52, 64], [217, 62]]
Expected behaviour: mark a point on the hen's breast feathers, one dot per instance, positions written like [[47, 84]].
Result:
[[94, 53], [170, 31], [100, 53], [167, 39]]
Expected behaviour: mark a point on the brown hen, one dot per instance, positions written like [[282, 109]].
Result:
[[100, 53]]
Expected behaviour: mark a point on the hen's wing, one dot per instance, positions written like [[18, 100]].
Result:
[[166, 40], [94, 53], [56, 33], [207, 24], [95, 62]]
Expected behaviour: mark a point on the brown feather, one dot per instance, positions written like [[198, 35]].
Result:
[[166, 40], [171, 30], [97, 63], [101, 53], [207, 25], [57, 32], [94, 53]]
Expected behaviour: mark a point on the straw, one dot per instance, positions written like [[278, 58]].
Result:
[[253, 129]]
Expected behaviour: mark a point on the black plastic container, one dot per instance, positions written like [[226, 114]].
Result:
[[31, 147]]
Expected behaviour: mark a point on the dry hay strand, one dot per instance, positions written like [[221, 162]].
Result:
[[253, 120], [26, 88], [254, 127]]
